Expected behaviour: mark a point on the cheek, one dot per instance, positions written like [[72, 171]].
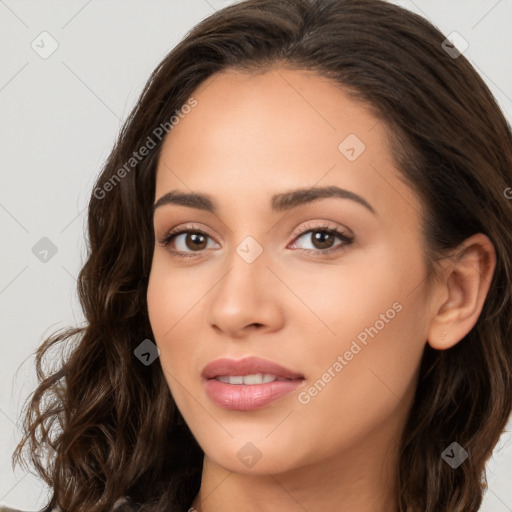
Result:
[[372, 313], [163, 304], [362, 387], [376, 312], [368, 295], [169, 300], [173, 295]]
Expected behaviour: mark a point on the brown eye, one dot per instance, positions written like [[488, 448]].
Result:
[[187, 242], [322, 240], [195, 241]]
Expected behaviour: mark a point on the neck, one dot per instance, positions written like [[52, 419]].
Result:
[[363, 479]]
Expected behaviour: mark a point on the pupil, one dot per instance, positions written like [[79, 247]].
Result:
[[318, 235], [198, 240]]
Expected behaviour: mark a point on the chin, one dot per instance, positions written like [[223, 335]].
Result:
[[273, 463], [254, 454]]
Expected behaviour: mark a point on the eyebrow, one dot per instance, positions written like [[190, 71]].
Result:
[[279, 203]]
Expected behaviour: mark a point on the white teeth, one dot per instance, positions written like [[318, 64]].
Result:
[[255, 378]]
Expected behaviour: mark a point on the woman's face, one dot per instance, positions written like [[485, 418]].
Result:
[[286, 160]]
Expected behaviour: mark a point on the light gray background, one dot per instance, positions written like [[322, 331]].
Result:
[[60, 117]]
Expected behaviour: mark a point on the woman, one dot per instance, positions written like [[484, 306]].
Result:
[[298, 291]]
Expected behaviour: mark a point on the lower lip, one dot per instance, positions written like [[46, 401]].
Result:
[[243, 397]]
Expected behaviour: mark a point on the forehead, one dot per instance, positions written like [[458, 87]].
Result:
[[274, 108], [274, 131]]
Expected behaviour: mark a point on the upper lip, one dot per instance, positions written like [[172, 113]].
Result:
[[247, 366]]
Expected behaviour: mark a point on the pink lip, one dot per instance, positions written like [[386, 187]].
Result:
[[242, 397], [247, 366]]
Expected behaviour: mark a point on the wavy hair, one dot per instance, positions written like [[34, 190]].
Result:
[[101, 425]]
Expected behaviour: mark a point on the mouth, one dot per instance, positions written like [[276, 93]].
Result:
[[248, 384], [249, 380]]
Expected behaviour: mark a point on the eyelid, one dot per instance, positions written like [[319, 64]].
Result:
[[322, 224], [185, 227]]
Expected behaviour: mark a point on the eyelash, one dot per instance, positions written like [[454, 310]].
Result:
[[346, 239]]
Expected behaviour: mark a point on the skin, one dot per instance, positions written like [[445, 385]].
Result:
[[249, 137]]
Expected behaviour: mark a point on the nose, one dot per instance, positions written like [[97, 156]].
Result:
[[246, 298]]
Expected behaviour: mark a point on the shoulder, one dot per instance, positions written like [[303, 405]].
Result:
[[7, 509], [124, 504]]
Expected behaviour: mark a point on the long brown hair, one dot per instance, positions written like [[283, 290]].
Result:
[[101, 425]]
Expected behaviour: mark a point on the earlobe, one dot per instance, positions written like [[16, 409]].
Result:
[[463, 288]]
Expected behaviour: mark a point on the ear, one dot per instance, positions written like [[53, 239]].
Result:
[[459, 294]]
